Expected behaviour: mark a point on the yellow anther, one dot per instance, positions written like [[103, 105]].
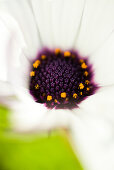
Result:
[[49, 98], [73, 56], [87, 82], [36, 63], [36, 86], [57, 50], [81, 60], [75, 95], [63, 95], [43, 94], [81, 86], [85, 73], [32, 73], [88, 88], [81, 93], [83, 65], [67, 54], [55, 101], [67, 99], [43, 57]]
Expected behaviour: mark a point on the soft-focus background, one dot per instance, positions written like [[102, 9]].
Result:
[[32, 151]]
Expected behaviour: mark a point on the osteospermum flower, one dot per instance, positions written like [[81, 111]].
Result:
[[58, 85]]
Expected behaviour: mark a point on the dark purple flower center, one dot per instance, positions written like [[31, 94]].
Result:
[[61, 79]]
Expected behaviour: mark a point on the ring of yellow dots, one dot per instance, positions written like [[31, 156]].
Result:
[[36, 86]]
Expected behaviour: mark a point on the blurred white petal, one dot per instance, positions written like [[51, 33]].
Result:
[[21, 11], [103, 62], [93, 131], [5, 89], [58, 21], [4, 37], [27, 117], [97, 24]]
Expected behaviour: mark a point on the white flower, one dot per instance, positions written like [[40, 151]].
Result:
[[87, 26]]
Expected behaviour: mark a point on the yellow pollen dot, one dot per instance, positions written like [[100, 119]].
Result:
[[81, 86], [49, 98], [88, 88], [81, 60], [36, 63], [55, 101], [63, 95], [81, 93], [67, 54], [85, 73], [43, 57], [57, 50], [73, 56], [83, 65], [87, 82], [32, 73], [43, 94], [75, 95], [36, 86], [67, 99]]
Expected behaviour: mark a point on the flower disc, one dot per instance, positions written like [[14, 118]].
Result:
[[61, 79]]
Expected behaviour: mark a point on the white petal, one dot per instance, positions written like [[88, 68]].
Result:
[[33, 116], [27, 116], [58, 21], [5, 89], [4, 36], [103, 62], [21, 11], [57, 118], [93, 133], [97, 25]]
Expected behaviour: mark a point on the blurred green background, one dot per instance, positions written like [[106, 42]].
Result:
[[34, 151]]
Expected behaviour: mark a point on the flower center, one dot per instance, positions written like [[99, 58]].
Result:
[[61, 79]]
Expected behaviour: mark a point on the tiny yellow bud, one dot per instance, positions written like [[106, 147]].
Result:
[[85, 73], [81, 93], [83, 65], [81, 60], [57, 50], [81, 86], [75, 95], [55, 101], [49, 98], [43, 94], [32, 73], [36, 63], [67, 99], [67, 54], [43, 57], [63, 95], [88, 88], [87, 82], [36, 86]]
